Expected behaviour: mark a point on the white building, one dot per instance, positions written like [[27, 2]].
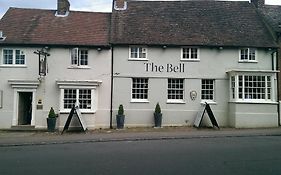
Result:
[[178, 53], [171, 51], [77, 69]]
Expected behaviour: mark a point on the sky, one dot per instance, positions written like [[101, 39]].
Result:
[[78, 5]]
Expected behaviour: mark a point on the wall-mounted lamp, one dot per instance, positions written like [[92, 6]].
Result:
[[99, 49], [164, 47]]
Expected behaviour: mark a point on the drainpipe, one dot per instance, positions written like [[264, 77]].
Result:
[[111, 90], [274, 68]]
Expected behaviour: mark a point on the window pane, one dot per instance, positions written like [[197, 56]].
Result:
[[207, 89], [8, 56], [85, 98], [20, 58], [69, 98], [83, 57], [176, 89], [140, 88]]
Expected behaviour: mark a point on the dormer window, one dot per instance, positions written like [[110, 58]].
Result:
[[2, 38]]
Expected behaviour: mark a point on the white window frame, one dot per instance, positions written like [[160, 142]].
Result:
[[79, 85], [179, 100], [75, 53], [140, 100], [234, 87], [248, 60], [208, 89], [138, 58], [190, 53], [14, 58]]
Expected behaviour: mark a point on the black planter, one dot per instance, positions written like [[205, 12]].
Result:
[[51, 123], [158, 119], [120, 119]]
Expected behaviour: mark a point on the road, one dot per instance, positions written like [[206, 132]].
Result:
[[207, 156]]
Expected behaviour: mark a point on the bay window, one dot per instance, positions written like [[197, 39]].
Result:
[[251, 87]]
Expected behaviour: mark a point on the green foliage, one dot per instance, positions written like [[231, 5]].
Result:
[[52, 113], [157, 109], [121, 110]]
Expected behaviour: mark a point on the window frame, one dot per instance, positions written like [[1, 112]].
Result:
[[176, 100], [209, 89], [78, 89], [140, 100], [248, 60], [14, 58], [189, 58], [234, 88], [138, 58], [79, 84], [75, 57]]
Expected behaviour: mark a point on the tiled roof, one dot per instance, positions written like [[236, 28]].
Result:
[[208, 23], [272, 14], [36, 26]]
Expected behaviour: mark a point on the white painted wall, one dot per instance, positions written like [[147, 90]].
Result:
[[59, 68], [213, 64]]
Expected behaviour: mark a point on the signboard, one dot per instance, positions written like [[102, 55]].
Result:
[[200, 115], [77, 112]]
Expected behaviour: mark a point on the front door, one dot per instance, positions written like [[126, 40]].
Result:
[[25, 108]]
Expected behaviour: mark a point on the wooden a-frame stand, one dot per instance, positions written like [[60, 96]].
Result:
[[200, 115], [77, 112]]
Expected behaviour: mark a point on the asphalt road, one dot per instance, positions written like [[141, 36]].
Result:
[[207, 156]]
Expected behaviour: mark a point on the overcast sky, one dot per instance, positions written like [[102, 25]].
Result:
[[81, 5]]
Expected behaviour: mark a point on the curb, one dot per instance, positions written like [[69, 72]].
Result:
[[128, 139]]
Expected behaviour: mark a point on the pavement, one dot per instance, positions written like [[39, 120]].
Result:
[[27, 138]]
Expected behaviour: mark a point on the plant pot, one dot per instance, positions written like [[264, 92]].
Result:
[[51, 123], [120, 119], [157, 119]]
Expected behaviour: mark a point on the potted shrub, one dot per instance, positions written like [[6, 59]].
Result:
[[51, 120], [157, 116], [120, 117]]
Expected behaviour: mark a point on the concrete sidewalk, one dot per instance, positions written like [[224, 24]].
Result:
[[22, 138]]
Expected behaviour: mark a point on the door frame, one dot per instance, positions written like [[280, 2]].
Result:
[[15, 121]]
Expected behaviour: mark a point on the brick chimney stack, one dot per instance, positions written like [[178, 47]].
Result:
[[258, 3], [120, 4], [63, 7]]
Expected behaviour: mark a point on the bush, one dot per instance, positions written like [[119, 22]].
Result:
[[52, 113], [121, 110], [157, 109]]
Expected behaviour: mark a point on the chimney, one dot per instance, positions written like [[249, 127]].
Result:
[[120, 5], [258, 3], [63, 8]]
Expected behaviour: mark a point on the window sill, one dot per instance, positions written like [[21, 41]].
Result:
[[137, 59], [210, 102], [139, 101], [175, 102], [189, 60], [79, 67], [12, 66], [253, 102], [246, 61], [83, 112]]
